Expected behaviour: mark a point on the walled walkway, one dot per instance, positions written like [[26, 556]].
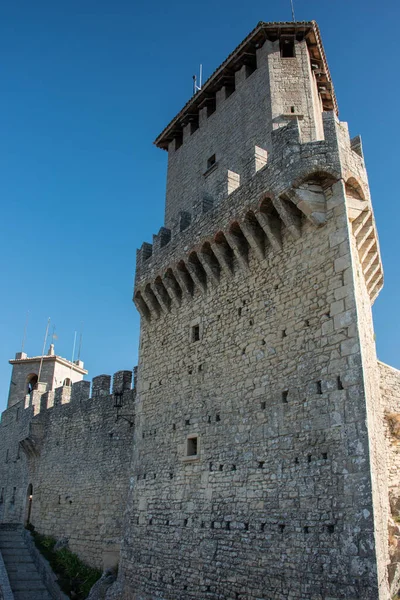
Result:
[[25, 581]]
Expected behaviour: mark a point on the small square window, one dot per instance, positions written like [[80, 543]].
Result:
[[211, 161], [192, 445], [196, 333]]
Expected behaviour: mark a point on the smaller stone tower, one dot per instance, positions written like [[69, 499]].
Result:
[[49, 371]]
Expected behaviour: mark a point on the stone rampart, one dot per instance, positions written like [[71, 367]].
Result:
[[74, 448]]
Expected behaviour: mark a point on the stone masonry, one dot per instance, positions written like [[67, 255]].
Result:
[[67, 450], [260, 461], [257, 456]]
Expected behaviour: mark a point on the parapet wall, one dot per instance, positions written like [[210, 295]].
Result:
[[75, 450], [293, 183]]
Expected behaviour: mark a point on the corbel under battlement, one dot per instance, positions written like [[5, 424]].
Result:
[[295, 183], [287, 161]]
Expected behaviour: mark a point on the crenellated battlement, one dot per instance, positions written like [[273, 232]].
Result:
[[293, 184], [72, 444], [80, 392], [288, 152]]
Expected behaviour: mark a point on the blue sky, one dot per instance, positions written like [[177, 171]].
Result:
[[86, 86]]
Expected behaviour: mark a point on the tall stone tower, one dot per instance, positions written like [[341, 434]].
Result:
[[260, 459]]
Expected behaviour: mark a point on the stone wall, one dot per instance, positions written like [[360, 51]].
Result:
[[76, 456], [390, 396], [278, 90], [372, 430], [274, 497]]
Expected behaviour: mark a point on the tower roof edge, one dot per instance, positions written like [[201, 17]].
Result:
[[263, 31], [49, 358]]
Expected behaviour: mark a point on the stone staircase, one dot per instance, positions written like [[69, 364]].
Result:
[[25, 581]]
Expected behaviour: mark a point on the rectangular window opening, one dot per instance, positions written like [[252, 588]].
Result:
[[211, 106], [211, 161], [195, 333], [287, 47], [191, 447], [229, 89], [251, 66], [194, 124], [178, 140]]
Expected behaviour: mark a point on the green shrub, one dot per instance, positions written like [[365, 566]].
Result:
[[74, 576]]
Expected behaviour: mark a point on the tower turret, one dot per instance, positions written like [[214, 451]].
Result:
[[53, 370]]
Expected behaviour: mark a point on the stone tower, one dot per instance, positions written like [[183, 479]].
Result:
[[65, 448], [54, 371], [259, 458]]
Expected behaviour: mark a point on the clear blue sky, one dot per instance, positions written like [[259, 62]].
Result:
[[86, 85]]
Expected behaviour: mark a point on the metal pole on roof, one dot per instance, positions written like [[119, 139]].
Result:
[[73, 356], [197, 88], [25, 330], [293, 17], [44, 349], [80, 342]]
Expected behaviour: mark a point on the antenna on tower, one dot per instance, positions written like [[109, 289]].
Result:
[[291, 4], [44, 349], [72, 359], [25, 330], [80, 341], [54, 336], [197, 88]]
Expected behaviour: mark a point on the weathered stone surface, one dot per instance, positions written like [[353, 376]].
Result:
[[285, 492], [265, 450], [101, 587], [76, 456]]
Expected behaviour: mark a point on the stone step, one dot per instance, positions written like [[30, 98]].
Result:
[[10, 544], [23, 575], [10, 535], [23, 571], [17, 540], [9, 553], [20, 561], [37, 595], [25, 581], [33, 586]]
